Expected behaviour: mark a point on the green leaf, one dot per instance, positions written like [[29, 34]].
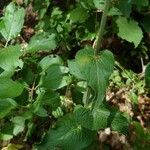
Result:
[[5, 137], [88, 4], [84, 116], [74, 70], [52, 99], [6, 105], [114, 12], [58, 113], [6, 132], [19, 124], [125, 6], [147, 75], [96, 70], [146, 23], [100, 118], [12, 22], [125, 27], [68, 135], [78, 14], [139, 3], [41, 8], [37, 107], [50, 60], [41, 112], [107, 116], [42, 42], [9, 59], [99, 4], [54, 77], [9, 88], [119, 123]]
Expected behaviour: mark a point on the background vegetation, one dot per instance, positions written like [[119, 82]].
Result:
[[60, 88]]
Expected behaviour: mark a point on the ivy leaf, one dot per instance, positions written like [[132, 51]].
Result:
[[9, 59], [9, 88], [12, 22], [42, 42], [6, 105], [96, 70], [125, 27], [78, 14], [68, 135]]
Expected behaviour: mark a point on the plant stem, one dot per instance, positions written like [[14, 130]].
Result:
[[86, 98], [6, 44], [102, 27], [98, 42]]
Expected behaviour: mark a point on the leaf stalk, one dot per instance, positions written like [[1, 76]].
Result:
[[102, 27]]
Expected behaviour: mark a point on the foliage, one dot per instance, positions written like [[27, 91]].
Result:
[[52, 83]]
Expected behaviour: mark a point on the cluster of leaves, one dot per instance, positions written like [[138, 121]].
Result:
[[62, 93]]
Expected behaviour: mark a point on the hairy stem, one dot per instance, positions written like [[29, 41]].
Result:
[[102, 27]]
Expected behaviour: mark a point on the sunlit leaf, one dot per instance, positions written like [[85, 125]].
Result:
[[12, 22], [129, 30]]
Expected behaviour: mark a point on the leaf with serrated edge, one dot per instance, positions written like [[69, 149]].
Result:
[[9, 88], [12, 22], [129, 30], [41, 42], [68, 135], [96, 70]]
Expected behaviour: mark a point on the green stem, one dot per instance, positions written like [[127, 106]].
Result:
[[37, 103], [86, 98], [102, 27], [98, 42]]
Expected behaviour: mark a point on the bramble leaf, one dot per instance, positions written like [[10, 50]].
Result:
[[78, 14], [50, 60], [42, 42], [12, 22], [129, 30], [9, 88], [9, 59]]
